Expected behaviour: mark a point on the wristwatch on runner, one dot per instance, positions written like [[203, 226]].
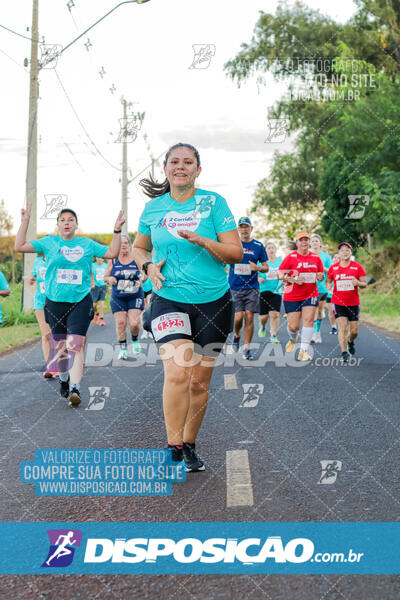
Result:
[[145, 266]]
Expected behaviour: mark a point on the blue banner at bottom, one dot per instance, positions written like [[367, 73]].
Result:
[[196, 548]]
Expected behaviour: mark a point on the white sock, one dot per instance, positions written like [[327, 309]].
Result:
[[306, 335], [74, 385], [64, 376], [292, 335]]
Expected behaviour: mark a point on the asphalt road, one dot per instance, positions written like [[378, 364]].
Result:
[[295, 417]]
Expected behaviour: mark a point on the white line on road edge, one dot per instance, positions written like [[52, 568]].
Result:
[[230, 382], [239, 489]]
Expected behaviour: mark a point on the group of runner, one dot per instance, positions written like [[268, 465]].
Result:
[[186, 238]]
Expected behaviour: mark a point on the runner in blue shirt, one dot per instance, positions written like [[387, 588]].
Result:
[[270, 295], [127, 298], [316, 247], [68, 307], [99, 291], [244, 285], [4, 291], [194, 235], [38, 276]]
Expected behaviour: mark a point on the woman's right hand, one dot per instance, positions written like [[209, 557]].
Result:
[[154, 272], [112, 281], [26, 213]]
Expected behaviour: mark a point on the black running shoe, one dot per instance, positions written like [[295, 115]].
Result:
[[345, 357], [247, 354], [334, 331], [192, 460], [235, 343], [64, 388], [351, 348], [75, 397], [177, 453]]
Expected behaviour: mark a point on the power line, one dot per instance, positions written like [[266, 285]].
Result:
[[82, 125], [16, 33], [11, 58]]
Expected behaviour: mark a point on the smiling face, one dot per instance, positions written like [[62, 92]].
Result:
[[303, 245], [181, 169], [344, 253], [67, 225]]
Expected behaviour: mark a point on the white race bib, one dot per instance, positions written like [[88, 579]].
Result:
[[73, 276], [344, 285], [272, 274], [171, 323], [242, 269], [99, 276], [308, 277], [41, 287], [127, 286]]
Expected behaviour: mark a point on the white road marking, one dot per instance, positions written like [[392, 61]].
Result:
[[230, 382], [239, 489]]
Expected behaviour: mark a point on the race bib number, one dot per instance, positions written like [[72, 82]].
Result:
[[41, 287], [100, 277], [127, 286], [344, 285], [308, 277], [242, 269], [272, 274], [171, 323], [69, 276]]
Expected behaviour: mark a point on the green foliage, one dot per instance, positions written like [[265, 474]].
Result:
[[342, 148]]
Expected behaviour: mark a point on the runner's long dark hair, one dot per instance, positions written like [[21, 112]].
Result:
[[151, 187]]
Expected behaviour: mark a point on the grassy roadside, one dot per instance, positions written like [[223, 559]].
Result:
[[381, 309], [17, 335]]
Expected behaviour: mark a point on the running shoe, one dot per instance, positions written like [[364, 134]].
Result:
[[177, 453], [334, 331], [96, 319], [123, 354], [192, 461], [303, 355], [64, 388], [318, 338], [273, 339], [101, 322], [74, 397], [261, 332], [290, 346], [235, 343], [48, 375], [247, 354], [136, 349], [350, 348], [345, 357]]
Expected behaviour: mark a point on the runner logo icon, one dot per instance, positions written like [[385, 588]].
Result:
[[61, 551], [330, 470]]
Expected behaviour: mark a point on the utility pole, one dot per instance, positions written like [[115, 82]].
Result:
[[28, 291], [124, 177]]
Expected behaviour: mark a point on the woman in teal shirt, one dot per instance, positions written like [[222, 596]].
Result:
[[194, 235], [270, 295], [68, 306]]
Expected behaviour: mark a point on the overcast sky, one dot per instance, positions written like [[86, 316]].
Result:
[[145, 51]]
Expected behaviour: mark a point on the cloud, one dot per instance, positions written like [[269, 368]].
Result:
[[232, 139]]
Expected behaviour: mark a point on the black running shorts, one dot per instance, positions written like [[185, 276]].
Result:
[[205, 324], [269, 301], [69, 317], [352, 313]]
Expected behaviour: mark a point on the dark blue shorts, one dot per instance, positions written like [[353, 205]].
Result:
[[297, 305], [124, 304], [99, 293]]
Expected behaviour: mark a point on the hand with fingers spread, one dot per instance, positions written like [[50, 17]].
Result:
[[120, 221], [155, 275]]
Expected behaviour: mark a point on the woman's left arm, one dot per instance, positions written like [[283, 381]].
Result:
[[228, 249]]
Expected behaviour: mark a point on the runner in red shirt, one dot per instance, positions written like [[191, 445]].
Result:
[[346, 276], [301, 270]]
